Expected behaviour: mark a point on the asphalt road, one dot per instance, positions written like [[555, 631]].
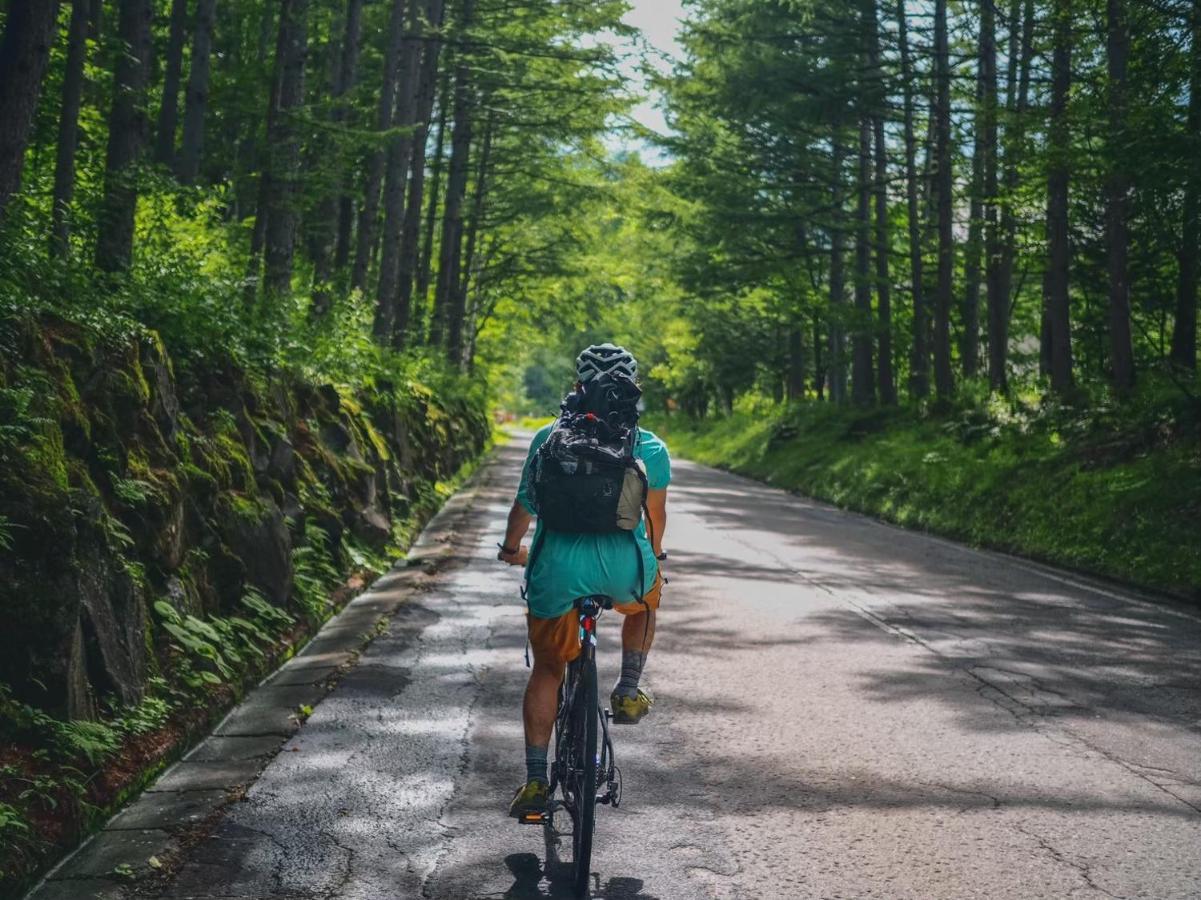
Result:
[[845, 710]]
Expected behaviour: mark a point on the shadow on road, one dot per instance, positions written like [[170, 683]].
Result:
[[533, 881], [1064, 650]]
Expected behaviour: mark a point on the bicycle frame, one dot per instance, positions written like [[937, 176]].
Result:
[[590, 609]]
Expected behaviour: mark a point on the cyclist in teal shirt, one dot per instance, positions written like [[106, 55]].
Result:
[[571, 565]]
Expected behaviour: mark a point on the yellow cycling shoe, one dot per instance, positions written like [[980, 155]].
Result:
[[530, 801], [630, 710]]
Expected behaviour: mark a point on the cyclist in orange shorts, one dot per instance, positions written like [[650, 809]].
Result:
[[571, 565]]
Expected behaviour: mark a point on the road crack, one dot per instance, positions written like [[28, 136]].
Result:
[[348, 871], [995, 802], [1081, 869]]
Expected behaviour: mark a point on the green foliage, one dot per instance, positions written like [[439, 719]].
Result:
[[68, 740], [92, 740], [315, 573], [19, 422], [16, 833], [12, 824], [132, 491], [150, 714], [216, 649], [266, 617]]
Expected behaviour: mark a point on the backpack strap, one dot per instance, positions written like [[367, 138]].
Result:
[[640, 585], [646, 513], [525, 592]]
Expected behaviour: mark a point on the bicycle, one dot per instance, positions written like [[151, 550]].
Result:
[[579, 770]]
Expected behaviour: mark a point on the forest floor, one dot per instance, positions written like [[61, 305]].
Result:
[[1114, 492]]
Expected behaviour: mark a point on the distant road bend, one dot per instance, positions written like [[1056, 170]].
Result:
[[845, 710]]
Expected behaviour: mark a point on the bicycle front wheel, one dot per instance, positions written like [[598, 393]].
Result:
[[584, 728]]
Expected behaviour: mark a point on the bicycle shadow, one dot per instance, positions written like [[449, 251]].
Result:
[[535, 880]]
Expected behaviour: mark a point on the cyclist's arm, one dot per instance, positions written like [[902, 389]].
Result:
[[656, 508], [515, 531]]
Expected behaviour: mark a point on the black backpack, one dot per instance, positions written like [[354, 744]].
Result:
[[585, 478]]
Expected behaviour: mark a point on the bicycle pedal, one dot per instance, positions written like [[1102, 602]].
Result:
[[534, 818]]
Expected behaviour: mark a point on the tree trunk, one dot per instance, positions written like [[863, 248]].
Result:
[[970, 335], [411, 229], [1021, 50], [475, 222], [400, 151], [267, 27], [919, 375], [168, 112], [1055, 283], [127, 126], [68, 129], [1184, 334], [863, 388], [351, 50], [369, 211], [447, 300], [327, 214], [943, 380], [196, 97], [1121, 351], [994, 300], [796, 361], [345, 239], [885, 375], [425, 265], [24, 52], [819, 369], [885, 380], [283, 139], [837, 373]]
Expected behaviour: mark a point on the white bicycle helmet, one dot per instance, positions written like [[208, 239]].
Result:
[[605, 358]]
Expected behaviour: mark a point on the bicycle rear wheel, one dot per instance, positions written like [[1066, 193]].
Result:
[[585, 715]]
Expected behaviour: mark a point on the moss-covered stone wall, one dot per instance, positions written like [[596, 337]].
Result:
[[122, 486]]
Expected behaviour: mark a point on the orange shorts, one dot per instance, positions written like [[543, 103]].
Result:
[[558, 640]]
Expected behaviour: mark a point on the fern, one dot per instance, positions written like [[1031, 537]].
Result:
[[314, 572]]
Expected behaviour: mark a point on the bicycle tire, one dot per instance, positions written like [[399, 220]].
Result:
[[584, 731]]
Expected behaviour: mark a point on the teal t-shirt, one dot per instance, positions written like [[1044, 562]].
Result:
[[576, 565]]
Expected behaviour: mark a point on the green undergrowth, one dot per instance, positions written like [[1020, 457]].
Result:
[[1113, 489]]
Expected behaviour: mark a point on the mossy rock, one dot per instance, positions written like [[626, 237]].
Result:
[[253, 529]]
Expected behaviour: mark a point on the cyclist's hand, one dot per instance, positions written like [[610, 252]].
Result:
[[514, 558]]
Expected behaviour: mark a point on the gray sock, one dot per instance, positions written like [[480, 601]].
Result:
[[535, 764], [632, 662]]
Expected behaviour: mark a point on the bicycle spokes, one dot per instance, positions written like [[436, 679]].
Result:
[[608, 770]]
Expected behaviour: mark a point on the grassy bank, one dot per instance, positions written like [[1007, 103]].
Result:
[[1114, 491]]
